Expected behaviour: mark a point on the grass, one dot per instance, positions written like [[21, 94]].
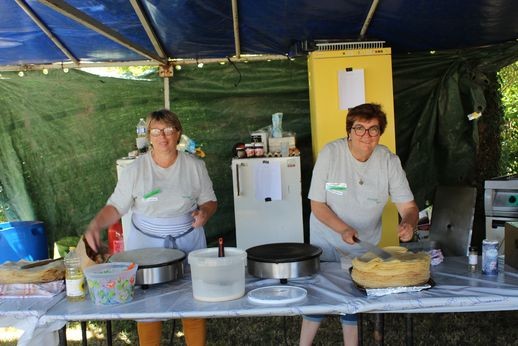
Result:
[[482, 328]]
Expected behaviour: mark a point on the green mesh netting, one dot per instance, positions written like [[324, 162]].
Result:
[[60, 134]]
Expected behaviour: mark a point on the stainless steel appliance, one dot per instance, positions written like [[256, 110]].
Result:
[[501, 206], [155, 265], [283, 260]]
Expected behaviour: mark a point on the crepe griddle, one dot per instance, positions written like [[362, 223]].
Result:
[[283, 260], [155, 265]]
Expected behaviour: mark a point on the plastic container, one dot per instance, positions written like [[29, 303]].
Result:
[[111, 283], [23, 240], [115, 238], [74, 278], [489, 257], [216, 279]]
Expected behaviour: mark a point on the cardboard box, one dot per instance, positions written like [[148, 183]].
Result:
[[511, 244], [274, 144]]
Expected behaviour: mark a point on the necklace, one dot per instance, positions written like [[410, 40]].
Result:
[[356, 164], [360, 181]]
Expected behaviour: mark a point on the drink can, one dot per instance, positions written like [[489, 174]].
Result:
[[489, 257]]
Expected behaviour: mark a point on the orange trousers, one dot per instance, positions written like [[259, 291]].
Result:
[[194, 329]]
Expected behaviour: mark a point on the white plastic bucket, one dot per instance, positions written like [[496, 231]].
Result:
[[216, 279]]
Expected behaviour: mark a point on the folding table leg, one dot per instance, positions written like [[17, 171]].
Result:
[[84, 340], [360, 329], [62, 334], [109, 338], [409, 327], [379, 332]]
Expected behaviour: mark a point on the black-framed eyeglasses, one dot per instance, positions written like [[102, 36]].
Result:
[[373, 131], [168, 131]]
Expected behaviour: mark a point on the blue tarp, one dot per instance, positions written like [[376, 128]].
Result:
[[204, 29]]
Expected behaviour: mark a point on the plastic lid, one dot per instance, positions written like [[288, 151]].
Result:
[[276, 295]]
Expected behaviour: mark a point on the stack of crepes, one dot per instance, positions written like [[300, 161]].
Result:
[[404, 269], [12, 272]]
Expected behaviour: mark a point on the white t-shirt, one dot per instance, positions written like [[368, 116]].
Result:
[[154, 191], [336, 182]]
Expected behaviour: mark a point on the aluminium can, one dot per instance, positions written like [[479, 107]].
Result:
[[489, 257]]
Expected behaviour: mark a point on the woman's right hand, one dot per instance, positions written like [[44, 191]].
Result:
[[348, 235], [93, 236], [107, 216]]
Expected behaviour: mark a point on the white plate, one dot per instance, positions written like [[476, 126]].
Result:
[[276, 295]]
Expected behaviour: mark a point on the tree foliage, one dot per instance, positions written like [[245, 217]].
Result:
[[509, 88]]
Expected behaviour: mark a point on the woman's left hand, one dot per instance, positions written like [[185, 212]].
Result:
[[405, 231], [203, 213], [200, 218]]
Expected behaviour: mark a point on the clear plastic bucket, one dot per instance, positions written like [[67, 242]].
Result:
[[216, 279]]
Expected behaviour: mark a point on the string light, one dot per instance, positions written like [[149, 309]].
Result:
[[200, 65], [222, 63], [178, 67], [65, 70], [21, 74], [45, 71]]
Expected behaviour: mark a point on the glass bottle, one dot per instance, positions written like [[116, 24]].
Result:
[[74, 277], [473, 259]]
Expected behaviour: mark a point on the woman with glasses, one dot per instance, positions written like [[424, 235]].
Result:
[[171, 196], [352, 180]]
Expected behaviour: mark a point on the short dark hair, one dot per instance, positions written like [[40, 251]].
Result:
[[366, 111], [166, 116]]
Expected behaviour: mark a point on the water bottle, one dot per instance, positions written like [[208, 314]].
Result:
[[142, 142], [74, 278]]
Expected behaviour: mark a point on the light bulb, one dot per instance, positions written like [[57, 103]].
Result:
[[21, 74], [178, 67], [65, 70], [45, 71], [200, 65]]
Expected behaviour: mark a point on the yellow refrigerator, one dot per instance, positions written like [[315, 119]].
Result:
[[332, 72]]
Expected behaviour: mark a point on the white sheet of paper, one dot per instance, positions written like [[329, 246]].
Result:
[[351, 88], [268, 181]]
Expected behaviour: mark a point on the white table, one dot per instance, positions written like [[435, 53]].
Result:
[[25, 314], [331, 291]]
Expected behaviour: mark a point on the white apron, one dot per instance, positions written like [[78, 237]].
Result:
[[172, 232]]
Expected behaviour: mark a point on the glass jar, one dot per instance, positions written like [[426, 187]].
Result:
[[258, 150], [250, 150], [473, 259], [240, 152]]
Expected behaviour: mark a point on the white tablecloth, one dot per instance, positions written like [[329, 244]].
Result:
[[25, 314], [331, 291]]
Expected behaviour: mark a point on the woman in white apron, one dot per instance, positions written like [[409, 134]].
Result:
[[171, 196]]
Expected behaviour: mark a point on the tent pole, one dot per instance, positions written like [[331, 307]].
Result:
[[235, 21], [167, 103], [367, 22]]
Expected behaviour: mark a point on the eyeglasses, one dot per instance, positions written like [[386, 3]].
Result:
[[373, 131], [168, 131]]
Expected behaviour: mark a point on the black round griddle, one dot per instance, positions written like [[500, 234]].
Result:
[[283, 260]]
